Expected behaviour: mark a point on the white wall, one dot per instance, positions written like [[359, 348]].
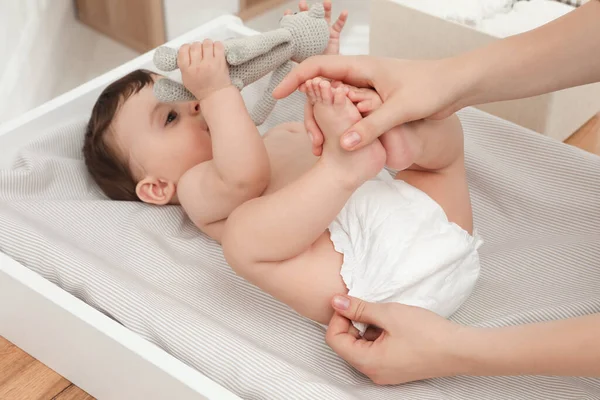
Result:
[[46, 51], [184, 15], [29, 30]]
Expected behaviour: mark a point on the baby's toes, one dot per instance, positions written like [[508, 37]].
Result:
[[316, 87], [326, 94]]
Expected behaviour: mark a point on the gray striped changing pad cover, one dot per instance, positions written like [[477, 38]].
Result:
[[536, 204]]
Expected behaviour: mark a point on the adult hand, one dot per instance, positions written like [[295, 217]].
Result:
[[410, 90], [413, 344]]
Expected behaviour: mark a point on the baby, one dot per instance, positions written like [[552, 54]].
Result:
[[300, 227]]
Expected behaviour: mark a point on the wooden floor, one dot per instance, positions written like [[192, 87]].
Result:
[[588, 136], [23, 377]]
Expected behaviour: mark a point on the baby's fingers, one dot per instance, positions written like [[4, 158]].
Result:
[[303, 6], [208, 49], [341, 22], [327, 7], [183, 56], [219, 50]]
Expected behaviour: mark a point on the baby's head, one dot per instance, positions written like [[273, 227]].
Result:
[[136, 148]]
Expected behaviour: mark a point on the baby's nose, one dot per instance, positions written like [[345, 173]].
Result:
[[194, 108]]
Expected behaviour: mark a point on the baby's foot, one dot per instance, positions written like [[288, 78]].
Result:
[[401, 144], [335, 113]]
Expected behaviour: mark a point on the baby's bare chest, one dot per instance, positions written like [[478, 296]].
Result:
[[290, 154]]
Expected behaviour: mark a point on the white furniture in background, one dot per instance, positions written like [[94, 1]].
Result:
[[420, 35]]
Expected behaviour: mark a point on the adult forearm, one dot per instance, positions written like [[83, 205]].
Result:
[[239, 153], [565, 348], [561, 54]]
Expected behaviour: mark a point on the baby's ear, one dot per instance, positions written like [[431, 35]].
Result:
[[155, 191]]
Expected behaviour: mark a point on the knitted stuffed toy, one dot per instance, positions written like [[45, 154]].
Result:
[[300, 36]]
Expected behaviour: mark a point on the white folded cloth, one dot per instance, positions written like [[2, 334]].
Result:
[[468, 12], [524, 16], [500, 18]]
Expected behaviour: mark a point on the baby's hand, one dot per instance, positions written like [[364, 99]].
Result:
[[203, 68]]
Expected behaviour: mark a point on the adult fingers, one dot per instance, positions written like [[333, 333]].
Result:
[[372, 333], [346, 343], [354, 70], [313, 130], [374, 125], [359, 310]]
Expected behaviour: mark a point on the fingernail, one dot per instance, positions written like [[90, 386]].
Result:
[[351, 139], [341, 303]]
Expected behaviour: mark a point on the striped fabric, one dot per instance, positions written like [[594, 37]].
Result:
[[536, 204]]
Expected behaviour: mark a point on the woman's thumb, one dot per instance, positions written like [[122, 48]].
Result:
[[358, 310], [371, 127]]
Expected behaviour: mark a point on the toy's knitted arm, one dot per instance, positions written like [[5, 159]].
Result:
[[241, 50], [266, 103]]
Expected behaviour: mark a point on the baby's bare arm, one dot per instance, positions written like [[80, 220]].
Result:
[[239, 169]]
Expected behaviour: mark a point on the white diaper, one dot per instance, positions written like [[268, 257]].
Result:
[[399, 246]]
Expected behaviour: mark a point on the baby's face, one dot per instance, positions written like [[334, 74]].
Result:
[[161, 142]]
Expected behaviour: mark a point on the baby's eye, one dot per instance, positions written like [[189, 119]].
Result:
[[171, 116]]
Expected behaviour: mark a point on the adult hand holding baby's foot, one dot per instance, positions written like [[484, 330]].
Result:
[[410, 90], [335, 113], [400, 143]]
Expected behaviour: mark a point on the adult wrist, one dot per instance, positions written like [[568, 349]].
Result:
[[468, 351], [468, 77]]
